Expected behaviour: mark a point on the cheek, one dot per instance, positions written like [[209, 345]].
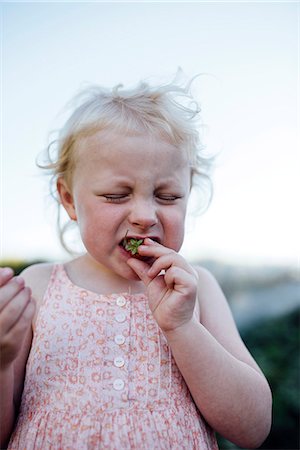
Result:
[[88, 220], [95, 237], [174, 231], [97, 222]]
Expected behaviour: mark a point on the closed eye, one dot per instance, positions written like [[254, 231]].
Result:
[[115, 198], [167, 198]]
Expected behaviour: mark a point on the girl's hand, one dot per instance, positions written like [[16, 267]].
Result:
[[16, 313], [171, 284]]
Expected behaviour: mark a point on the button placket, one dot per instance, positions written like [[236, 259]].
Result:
[[119, 339]]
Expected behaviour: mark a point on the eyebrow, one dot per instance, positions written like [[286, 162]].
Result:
[[169, 182]]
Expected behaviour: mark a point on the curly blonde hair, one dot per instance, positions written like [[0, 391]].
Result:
[[168, 110]]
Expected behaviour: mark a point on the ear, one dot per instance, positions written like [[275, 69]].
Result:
[[66, 198]]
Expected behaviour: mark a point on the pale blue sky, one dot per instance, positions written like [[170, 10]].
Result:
[[249, 95]]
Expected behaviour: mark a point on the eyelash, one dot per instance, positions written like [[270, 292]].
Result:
[[115, 198], [167, 198]]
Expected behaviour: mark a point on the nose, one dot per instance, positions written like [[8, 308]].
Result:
[[143, 214]]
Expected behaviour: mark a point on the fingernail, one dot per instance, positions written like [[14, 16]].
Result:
[[7, 271], [19, 280]]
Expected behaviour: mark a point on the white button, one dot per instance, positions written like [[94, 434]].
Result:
[[119, 339], [119, 361], [120, 317], [121, 301], [119, 384]]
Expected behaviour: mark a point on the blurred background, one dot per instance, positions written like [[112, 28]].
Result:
[[248, 56]]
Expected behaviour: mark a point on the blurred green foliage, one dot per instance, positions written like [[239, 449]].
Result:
[[18, 265], [274, 344]]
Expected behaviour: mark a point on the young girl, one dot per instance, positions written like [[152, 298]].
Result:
[[126, 346]]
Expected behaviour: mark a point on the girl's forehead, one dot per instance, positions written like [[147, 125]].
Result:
[[112, 144], [143, 160]]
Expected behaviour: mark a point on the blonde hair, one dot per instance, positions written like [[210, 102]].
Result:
[[168, 110]]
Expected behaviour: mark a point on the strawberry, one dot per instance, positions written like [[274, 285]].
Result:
[[132, 244]]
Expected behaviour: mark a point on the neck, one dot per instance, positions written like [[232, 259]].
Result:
[[91, 275]]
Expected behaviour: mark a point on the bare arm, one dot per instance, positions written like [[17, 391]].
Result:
[[224, 380]]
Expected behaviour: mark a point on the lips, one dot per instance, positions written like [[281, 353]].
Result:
[[127, 238]]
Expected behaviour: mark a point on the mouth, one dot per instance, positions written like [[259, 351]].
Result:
[[131, 244]]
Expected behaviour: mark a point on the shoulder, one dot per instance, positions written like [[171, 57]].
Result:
[[214, 308], [37, 273], [215, 312], [37, 278], [217, 318], [209, 290], [205, 276]]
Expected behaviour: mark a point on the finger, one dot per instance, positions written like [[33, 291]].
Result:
[[14, 309], [162, 263], [181, 280], [9, 290], [12, 342], [169, 260], [153, 249], [23, 323], [140, 268], [6, 273], [156, 250], [171, 277]]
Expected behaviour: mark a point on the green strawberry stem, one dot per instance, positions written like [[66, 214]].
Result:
[[132, 244]]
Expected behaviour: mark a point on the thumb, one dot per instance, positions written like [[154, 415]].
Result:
[[140, 268]]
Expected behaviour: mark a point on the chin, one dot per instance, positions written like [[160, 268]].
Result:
[[131, 275], [126, 273]]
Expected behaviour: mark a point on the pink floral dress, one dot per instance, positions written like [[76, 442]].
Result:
[[100, 375]]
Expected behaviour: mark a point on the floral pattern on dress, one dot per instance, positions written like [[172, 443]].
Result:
[[100, 375]]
